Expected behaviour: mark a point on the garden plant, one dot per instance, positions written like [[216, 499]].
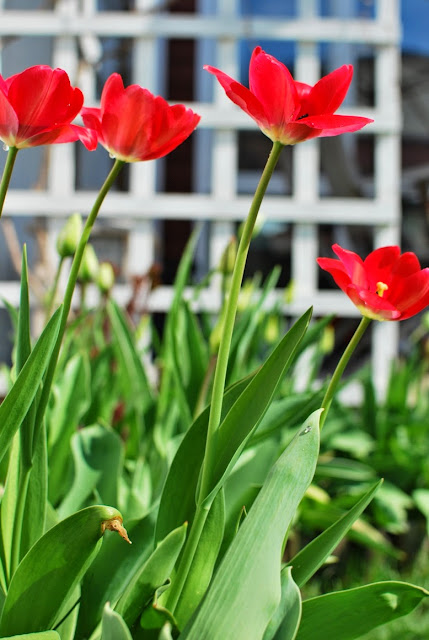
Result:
[[152, 489]]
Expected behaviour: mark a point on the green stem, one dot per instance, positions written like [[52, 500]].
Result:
[[188, 555], [47, 382], [231, 310], [7, 173], [326, 403], [53, 292], [219, 380], [21, 498]]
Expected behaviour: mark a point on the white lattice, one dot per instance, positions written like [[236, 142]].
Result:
[[218, 27]]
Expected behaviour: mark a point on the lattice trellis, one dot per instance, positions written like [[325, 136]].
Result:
[[219, 27]]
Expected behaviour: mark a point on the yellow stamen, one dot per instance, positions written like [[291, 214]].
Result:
[[380, 288]]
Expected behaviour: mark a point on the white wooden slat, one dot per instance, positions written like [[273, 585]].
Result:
[[133, 25]]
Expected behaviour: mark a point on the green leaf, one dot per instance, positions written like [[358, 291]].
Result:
[[178, 496], [345, 615], [15, 406], [154, 573], [134, 376], [113, 626], [111, 572], [42, 635], [97, 455], [247, 411], [71, 392], [51, 570], [307, 561], [285, 622], [203, 564], [246, 589]]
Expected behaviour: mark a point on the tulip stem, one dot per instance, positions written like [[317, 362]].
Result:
[[219, 381], [229, 320], [333, 384], [71, 284], [7, 173]]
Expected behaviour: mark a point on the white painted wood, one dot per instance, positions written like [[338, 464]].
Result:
[[218, 28]]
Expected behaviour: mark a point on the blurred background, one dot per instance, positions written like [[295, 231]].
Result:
[[361, 190]]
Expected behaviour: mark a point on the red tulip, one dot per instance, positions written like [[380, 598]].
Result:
[[133, 124], [384, 286], [288, 111], [37, 107]]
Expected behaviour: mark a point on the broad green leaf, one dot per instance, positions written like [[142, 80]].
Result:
[[8, 508], [250, 407], [71, 399], [113, 626], [203, 564], [346, 615], [111, 572], [97, 456], [285, 621], [178, 496], [153, 574], [41, 635], [246, 589], [308, 560], [52, 568], [15, 406]]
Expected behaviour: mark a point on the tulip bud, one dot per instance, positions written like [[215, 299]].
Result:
[[105, 277], [227, 261], [327, 342], [89, 266], [272, 329], [69, 236]]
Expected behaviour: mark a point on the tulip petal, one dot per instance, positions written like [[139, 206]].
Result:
[[337, 270], [411, 295], [272, 84], [8, 121], [329, 92], [371, 305], [353, 265], [379, 265], [241, 96], [333, 125]]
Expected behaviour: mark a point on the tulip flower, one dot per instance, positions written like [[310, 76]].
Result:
[[37, 107], [133, 124], [384, 286], [288, 111]]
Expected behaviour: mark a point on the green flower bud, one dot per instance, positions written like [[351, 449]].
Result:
[[227, 261], [327, 342], [89, 266], [105, 277], [272, 329], [69, 236]]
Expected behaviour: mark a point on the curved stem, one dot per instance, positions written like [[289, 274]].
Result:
[[230, 313], [219, 380], [326, 403], [47, 382], [7, 173]]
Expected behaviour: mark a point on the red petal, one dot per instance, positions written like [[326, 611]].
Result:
[[410, 295], [379, 265], [371, 305], [337, 271], [334, 125], [241, 96], [329, 93], [43, 99], [8, 121], [353, 265], [406, 265], [272, 84]]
